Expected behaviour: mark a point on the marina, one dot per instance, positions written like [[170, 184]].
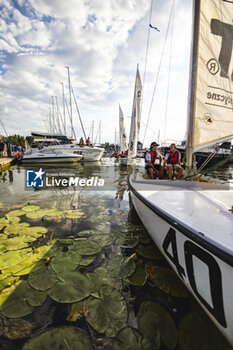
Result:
[[116, 253], [116, 214]]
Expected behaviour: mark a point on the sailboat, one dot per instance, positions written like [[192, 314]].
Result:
[[135, 122], [192, 222], [122, 132]]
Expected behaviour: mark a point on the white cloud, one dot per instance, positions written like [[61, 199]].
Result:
[[101, 41]]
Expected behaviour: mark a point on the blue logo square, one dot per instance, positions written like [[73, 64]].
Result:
[[35, 178]]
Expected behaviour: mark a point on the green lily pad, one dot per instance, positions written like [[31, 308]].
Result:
[[154, 323], [73, 288], [25, 267], [196, 331], [53, 212], [15, 243], [65, 261], [29, 208], [16, 308], [139, 276], [107, 314], [166, 280], [87, 247], [15, 213], [15, 228], [8, 281], [128, 336], [43, 278], [121, 267], [149, 252], [62, 338], [74, 214], [12, 258], [6, 292], [38, 214], [87, 261], [100, 277], [77, 311]]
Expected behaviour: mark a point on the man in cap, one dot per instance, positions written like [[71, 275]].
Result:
[[151, 167]]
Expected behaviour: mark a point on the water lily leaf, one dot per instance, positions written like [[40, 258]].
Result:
[[154, 320], [87, 261], [48, 251], [15, 213], [139, 276], [8, 281], [29, 208], [6, 292], [38, 214], [101, 276], [15, 329], [2, 248], [65, 261], [87, 247], [121, 267], [15, 243], [196, 331], [77, 311], [43, 278], [62, 338], [73, 288], [107, 314], [149, 252], [15, 228], [12, 258], [166, 280], [16, 308], [53, 212], [101, 238], [128, 336], [25, 267]]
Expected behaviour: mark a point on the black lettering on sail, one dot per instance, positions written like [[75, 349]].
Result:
[[224, 30]]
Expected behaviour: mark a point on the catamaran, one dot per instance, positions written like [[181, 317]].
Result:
[[192, 222]]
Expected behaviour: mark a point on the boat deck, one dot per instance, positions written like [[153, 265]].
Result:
[[203, 208], [4, 163]]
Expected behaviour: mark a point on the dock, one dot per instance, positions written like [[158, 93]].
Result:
[[5, 162]]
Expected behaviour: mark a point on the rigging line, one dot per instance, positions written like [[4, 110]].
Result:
[[169, 74], [147, 48], [160, 63], [79, 114]]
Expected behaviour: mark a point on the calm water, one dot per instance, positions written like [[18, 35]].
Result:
[[89, 269]]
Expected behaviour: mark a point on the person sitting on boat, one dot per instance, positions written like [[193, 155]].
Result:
[[173, 162], [81, 142], [151, 155], [122, 154], [88, 142]]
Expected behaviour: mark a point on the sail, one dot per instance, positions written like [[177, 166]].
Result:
[[136, 117], [211, 113], [123, 136]]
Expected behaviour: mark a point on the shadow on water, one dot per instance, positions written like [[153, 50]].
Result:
[[79, 271]]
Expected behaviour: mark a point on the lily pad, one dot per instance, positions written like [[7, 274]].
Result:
[[8, 281], [73, 288], [107, 314], [16, 308], [29, 208], [16, 228], [65, 261], [128, 336], [155, 323], [38, 214], [149, 252], [74, 214], [87, 261], [100, 277], [139, 276], [15, 213], [43, 278], [196, 331], [77, 311], [87, 247], [166, 280], [121, 267], [12, 258], [6, 292], [62, 338]]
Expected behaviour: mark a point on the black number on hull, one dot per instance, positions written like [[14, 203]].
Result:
[[171, 239], [217, 310]]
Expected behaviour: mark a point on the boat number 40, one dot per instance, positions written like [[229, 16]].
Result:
[[191, 250]]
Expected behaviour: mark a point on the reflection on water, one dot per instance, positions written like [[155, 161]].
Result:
[[74, 269]]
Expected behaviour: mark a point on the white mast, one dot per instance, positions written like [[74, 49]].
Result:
[[71, 115]]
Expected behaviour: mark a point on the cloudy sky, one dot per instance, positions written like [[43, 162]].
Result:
[[101, 41]]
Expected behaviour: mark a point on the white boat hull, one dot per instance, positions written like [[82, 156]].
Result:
[[51, 160], [205, 267]]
